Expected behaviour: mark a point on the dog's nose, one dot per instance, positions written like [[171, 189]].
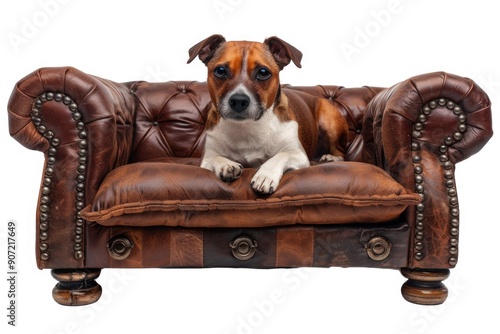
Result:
[[239, 102]]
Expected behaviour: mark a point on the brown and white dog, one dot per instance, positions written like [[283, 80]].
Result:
[[252, 123]]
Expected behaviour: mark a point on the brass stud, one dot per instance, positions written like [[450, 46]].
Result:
[[49, 170], [78, 255], [77, 116], [41, 129]]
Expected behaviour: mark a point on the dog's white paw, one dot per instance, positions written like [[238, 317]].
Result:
[[230, 171], [265, 182], [329, 157]]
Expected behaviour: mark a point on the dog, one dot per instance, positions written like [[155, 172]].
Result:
[[253, 123]]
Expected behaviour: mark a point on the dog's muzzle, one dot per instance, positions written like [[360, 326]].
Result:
[[239, 102]]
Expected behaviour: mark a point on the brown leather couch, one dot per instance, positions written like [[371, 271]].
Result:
[[121, 186]]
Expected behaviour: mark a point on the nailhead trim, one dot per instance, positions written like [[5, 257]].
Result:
[[49, 170], [448, 175]]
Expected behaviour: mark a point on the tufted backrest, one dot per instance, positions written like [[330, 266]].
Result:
[[171, 116]]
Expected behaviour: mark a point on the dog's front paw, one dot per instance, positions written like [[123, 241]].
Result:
[[329, 157], [230, 171], [265, 182]]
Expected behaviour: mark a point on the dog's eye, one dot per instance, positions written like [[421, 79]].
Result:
[[263, 73], [220, 72]]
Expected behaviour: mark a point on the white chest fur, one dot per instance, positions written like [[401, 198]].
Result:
[[251, 143]]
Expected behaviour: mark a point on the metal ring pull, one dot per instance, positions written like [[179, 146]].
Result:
[[243, 248], [378, 248], [119, 247]]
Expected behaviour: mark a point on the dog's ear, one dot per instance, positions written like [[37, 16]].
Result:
[[283, 52], [206, 48]]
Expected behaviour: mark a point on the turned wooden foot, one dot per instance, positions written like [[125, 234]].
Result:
[[425, 287], [76, 287]]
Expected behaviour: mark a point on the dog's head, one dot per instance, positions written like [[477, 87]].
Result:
[[243, 77]]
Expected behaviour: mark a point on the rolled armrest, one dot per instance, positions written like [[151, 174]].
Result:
[[83, 124], [418, 130]]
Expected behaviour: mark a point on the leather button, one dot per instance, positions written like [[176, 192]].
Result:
[[243, 248]]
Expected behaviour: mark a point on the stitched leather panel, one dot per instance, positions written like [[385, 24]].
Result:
[[295, 247]]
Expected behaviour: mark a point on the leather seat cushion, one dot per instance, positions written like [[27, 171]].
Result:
[[176, 192]]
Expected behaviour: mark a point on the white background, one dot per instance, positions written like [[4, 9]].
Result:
[[148, 40]]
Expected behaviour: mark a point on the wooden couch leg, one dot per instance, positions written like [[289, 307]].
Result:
[[424, 286], [76, 287]]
